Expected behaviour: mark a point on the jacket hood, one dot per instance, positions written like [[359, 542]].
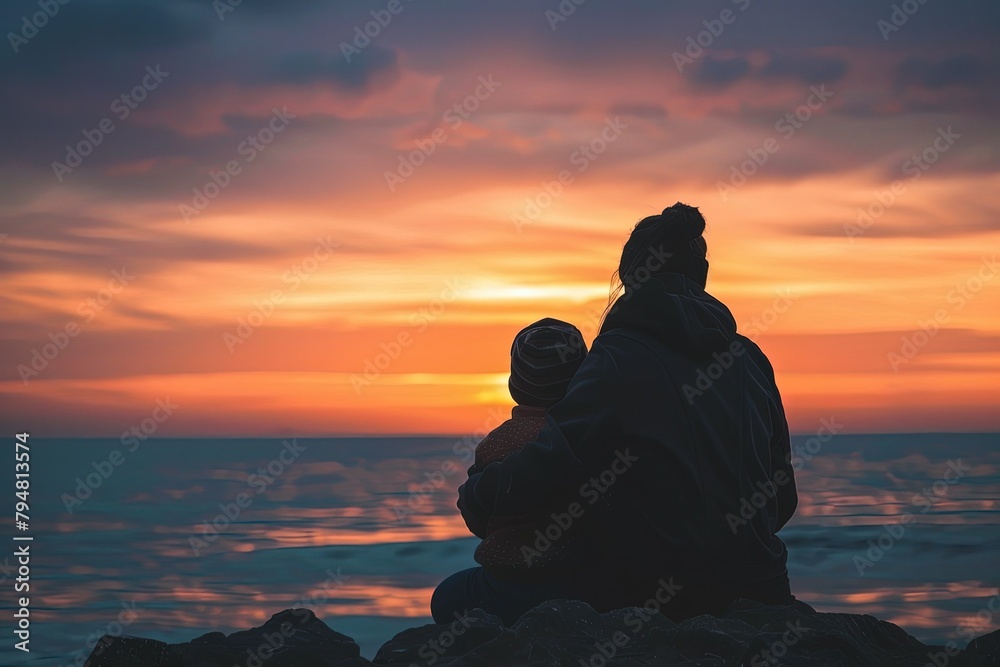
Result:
[[676, 311]]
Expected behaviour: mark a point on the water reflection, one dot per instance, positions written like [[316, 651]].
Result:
[[369, 510]]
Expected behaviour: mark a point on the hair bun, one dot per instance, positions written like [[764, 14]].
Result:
[[683, 223]]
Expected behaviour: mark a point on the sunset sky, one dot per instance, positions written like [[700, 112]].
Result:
[[285, 228]]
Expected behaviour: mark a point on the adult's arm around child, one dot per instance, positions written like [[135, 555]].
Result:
[[577, 430]]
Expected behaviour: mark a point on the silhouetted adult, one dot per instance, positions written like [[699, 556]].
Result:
[[668, 459]]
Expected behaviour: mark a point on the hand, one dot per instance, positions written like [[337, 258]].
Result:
[[475, 519]]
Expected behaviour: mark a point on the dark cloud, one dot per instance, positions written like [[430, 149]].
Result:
[[962, 70], [272, 7], [804, 69], [308, 68], [96, 32], [65, 80], [94, 50], [720, 72]]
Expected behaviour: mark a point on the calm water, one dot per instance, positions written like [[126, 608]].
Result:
[[345, 528]]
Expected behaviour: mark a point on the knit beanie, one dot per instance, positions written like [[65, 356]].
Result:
[[543, 360]]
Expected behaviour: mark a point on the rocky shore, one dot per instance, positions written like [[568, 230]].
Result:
[[567, 632]]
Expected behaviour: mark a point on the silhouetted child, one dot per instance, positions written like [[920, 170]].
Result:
[[543, 359]]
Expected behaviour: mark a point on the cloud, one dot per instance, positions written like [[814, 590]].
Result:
[[271, 8], [950, 218], [721, 72], [804, 69], [309, 68], [963, 70], [926, 229], [87, 244], [93, 32]]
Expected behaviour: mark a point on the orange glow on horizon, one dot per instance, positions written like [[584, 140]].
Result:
[[289, 305]]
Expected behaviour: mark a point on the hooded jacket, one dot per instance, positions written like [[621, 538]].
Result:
[[670, 453]]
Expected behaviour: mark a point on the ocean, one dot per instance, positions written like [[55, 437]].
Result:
[[170, 539]]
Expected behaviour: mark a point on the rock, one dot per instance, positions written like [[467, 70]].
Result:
[[568, 632], [426, 644], [291, 638], [565, 632], [986, 648]]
